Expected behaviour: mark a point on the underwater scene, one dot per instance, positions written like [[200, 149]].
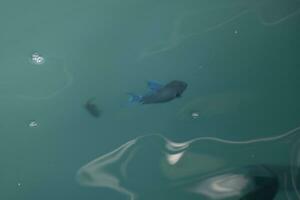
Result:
[[150, 99]]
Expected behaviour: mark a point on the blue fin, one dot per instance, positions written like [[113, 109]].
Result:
[[133, 98], [154, 85]]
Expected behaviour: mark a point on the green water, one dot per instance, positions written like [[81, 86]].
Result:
[[240, 59]]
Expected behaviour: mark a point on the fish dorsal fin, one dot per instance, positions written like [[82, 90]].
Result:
[[154, 85]]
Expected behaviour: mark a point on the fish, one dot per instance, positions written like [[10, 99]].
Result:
[[92, 108], [159, 93]]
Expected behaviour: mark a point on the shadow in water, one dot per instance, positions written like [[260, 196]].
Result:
[[92, 108]]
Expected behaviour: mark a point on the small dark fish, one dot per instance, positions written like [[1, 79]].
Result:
[[92, 108], [160, 93]]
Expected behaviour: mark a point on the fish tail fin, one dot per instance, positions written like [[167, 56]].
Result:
[[133, 98]]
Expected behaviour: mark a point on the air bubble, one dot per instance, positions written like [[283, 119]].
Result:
[[37, 59], [33, 124], [195, 115]]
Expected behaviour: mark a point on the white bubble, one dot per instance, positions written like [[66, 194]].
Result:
[[19, 184], [236, 32], [195, 115], [37, 59], [33, 124]]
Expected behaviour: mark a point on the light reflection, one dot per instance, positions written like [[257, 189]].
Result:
[[275, 12], [209, 167], [223, 186], [92, 173], [174, 158], [173, 146], [268, 13]]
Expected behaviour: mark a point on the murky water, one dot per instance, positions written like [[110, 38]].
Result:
[[68, 132]]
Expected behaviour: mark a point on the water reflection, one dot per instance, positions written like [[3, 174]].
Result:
[[274, 12], [191, 23], [35, 77], [215, 104], [254, 182], [210, 168], [39, 83]]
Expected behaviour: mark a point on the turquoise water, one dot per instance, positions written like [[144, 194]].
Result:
[[238, 114]]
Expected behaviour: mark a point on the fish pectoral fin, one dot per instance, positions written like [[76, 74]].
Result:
[[154, 85]]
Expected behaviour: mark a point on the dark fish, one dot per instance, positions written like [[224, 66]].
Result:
[[160, 93], [92, 108]]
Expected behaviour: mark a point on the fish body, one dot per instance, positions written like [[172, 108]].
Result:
[[160, 93]]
